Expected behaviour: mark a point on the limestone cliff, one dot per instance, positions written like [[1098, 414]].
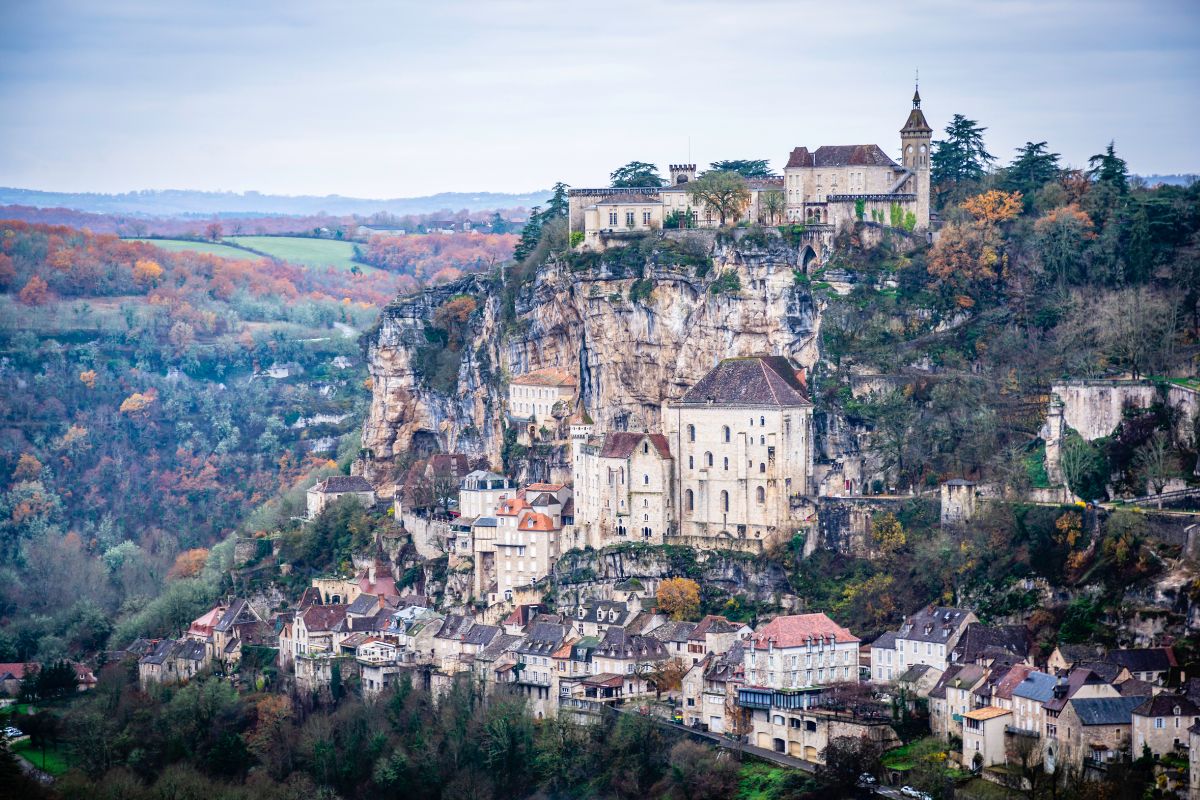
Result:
[[629, 355]]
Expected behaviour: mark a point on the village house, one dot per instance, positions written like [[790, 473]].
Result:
[[742, 440], [983, 736], [1161, 723], [523, 546], [334, 488], [709, 691], [983, 644], [926, 637], [314, 630], [633, 657], [173, 661], [1094, 731], [533, 397], [481, 491], [1150, 664], [957, 692]]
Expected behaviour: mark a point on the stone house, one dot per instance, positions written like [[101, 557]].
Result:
[[984, 644], [957, 501], [918, 681], [959, 688], [801, 651], [1028, 701], [1162, 722], [884, 664], [480, 491], [1150, 664], [173, 661], [1066, 656], [630, 656], [593, 617], [533, 397], [625, 488], [983, 736], [1094, 731], [710, 690], [742, 439], [314, 630], [334, 488], [927, 637]]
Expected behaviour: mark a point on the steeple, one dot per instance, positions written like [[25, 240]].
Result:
[[917, 97]]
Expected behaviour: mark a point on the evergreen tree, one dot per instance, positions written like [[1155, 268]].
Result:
[[636, 174], [557, 207], [747, 168], [530, 235], [1108, 169], [1032, 169], [499, 224], [961, 156]]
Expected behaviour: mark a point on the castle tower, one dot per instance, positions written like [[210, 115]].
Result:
[[916, 138], [682, 173]]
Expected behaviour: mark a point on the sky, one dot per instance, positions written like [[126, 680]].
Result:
[[398, 99]]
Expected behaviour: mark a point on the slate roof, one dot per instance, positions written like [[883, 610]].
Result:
[[618, 644], [1164, 705], [455, 626], [914, 673], [481, 635], [939, 689], [1036, 686], [935, 625], [1106, 710], [336, 484], [885, 642], [840, 155], [600, 611], [729, 666], [542, 638], [238, 613], [1075, 653], [795, 631], [363, 605], [1068, 686], [673, 632], [1134, 687], [979, 641], [323, 618], [161, 652], [1147, 659], [1105, 670], [552, 376], [497, 647], [191, 650], [620, 444], [749, 381]]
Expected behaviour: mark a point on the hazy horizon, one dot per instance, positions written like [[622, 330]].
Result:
[[377, 101]]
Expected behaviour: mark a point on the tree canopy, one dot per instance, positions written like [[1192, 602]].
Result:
[[746, 167], [961, 157], [724, 192], [636, 174]]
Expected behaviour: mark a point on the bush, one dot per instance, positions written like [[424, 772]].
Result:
[[727, 282]]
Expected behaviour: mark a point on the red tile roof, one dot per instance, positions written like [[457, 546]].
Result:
[[797, 629], [533, 521], [545, 377], [622, 444]]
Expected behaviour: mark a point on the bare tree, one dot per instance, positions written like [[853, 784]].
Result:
[[1155, 463]]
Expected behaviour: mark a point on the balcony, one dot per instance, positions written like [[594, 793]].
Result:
[[1013, 730]]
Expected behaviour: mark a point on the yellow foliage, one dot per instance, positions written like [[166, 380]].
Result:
[[28, 468], [88, 377], [994, 206], [147, 272], [679, 597], [189, 563], [137, 403]]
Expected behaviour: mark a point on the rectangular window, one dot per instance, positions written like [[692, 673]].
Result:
[[629, 218], [645, 217], [612, 218]]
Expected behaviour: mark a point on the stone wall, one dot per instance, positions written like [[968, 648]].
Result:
[[845, 522], [1095, 408], [429, 537]]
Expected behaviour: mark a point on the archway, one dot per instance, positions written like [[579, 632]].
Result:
[[807, 256]]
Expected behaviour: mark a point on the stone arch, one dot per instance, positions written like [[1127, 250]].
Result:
[[807, 256]]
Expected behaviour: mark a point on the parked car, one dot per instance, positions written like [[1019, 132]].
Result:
[[867, 779], [13, 733], [909, 791]]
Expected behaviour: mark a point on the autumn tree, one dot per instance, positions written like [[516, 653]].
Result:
[[1061, 236], [772, 204], [138, 403], [887, 533], [679, 597], [189, 563], [88, 378], [212, 231], [723, 192], [35, 293], [667, 676], [28, 468], [147, 272], [452, 317], [636, 174]]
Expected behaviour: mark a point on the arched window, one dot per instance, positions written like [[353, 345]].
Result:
[[762, 440], [760, 494], [708, 462], [691, 463], [725, 502], [691, 433], [690, 499], [726, 462], [762, 421], [645, 479], [725, 432], [762, 467], [645, 447]]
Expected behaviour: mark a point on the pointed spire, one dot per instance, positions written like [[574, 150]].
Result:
[[917, 89]]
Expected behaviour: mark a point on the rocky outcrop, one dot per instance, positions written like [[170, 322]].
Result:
[[630, 356]]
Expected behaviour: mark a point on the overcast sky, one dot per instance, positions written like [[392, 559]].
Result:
[[405, 98]]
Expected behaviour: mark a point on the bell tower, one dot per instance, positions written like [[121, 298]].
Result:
[[916, 139]]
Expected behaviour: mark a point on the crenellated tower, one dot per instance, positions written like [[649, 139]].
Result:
[[916, 139]]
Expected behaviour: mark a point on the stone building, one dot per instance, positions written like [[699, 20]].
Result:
[[523, 545], [623, 488], [958, 501], [480, 491], [1162, 722], [532, 398], [742, 439], [830, 186], [336, 487]]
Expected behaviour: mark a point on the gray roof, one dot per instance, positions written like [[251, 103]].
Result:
[[238, 613], [673, 631], [935, 625], [914, 673], [749, 381], [497, 647], [1106, 710], [344, 483], [481, 634], [885, 642], [485, 522], [1037, 686]]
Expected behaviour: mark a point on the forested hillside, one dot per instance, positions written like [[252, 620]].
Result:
[[150, 401]]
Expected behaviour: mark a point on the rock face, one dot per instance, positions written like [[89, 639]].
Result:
[[629, 356]]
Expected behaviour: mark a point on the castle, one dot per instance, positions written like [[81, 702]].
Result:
[[826, 188]]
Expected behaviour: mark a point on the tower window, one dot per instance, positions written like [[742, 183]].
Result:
[[691, 433], [725, 502], [708, 460], [725, 432]]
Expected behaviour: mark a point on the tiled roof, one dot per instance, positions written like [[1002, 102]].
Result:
[[1165, 705], [752, 380], [1106, 710], [510, 507], [983, 714], [797, 629], [544, 487], [336, 484], [449, 465], [620, 444], [673, 632], [323, 618], [545, 377], [1010, 680], [840, 155], [712, 624], [936, 625], [533, 521]]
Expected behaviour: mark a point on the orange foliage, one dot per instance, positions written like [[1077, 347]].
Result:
[[147, 272], [425, 255], [35, 293], [679, 597], [8, 273], [88, 378], [28, 468], [1068, 215], [188, 563], [137, 403], [994, 206]]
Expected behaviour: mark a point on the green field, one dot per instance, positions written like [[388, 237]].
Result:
[[53, 760], [211, 248], [301, 250]]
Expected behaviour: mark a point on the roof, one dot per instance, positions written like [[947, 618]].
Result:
[[455, 626], [727, 667], [621, 444], [796, 630], [885, 642], [239, 613], [449, 465], [1105, 670], [510, 507], [933, 624], [550, 376], [712, 624], [939, 689], [336, 484], [609, 680], [481, 635], [1074, 653], [986, 713], [750, 380], [1147, 659], [533, 521], [673, 632], [485, 522], [1067, 687], [364, 604], [978, 639], [544, 487], [840, 155], [627, 199], [323, 618], [1010, 680], [914, 673], [1106, 710], [497, 647], [619, 644], [1036, 686], [1167, 705]]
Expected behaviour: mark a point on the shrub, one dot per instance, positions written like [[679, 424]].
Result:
[[727, 282]]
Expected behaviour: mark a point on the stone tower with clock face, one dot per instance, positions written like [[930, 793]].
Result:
[[915, 142]]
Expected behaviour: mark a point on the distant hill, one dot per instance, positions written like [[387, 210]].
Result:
[[185, 202], [1169, 180]]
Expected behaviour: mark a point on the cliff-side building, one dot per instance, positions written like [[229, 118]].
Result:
[[623, 488]]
